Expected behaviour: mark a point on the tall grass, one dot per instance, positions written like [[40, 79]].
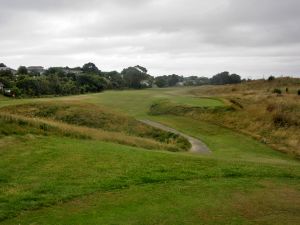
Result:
[[26, 125], [252, 109], [92, 116]]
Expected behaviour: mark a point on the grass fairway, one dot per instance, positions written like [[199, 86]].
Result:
[[136, 103], [58, 177], [48, 179]]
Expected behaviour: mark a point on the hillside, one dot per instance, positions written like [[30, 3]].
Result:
[[87, 120], [271, 118], [88, 160]]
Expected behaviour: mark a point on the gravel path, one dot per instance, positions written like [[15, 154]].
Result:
[[197, 145]]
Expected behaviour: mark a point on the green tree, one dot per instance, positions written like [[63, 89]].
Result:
[[90, 68], [91, 83], [7, 78], [22, 70], [161, 81], [174, 79], [133, 77], [115, 78], [221, 78], [234, 79], [31, 86]]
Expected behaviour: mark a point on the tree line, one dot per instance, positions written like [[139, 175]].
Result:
[[33, 81]]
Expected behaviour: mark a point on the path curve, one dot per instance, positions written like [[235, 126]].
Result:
[[197, 145]]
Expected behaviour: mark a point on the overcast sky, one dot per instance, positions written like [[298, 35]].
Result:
[[187, 37]]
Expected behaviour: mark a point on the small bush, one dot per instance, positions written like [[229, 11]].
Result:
[[299, 92], [271, 78], [277, 91], [285, 119], [280, 120]]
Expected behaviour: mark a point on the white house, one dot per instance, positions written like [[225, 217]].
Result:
[[36, 69]]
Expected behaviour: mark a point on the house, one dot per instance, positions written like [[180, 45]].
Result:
[[4, 68], [146, 83], [72, 70], [7, 92], [8, 69], [36, 69], [180, 84]]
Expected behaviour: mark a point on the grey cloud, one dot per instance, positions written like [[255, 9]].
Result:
[[189, 36]]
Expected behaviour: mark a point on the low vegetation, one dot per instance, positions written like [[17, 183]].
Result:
[[85, 116], [271, 118]]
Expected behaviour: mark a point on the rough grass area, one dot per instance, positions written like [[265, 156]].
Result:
[[271, 118], [272, 121], [89, 115], [166, 107], [23, 127], [39, 173]]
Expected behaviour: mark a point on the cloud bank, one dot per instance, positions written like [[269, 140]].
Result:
[[187, 37]]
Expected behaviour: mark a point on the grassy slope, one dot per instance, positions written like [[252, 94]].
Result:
[[88, 117], [45, 171], [264, 115], [137, 103], [242, 182]]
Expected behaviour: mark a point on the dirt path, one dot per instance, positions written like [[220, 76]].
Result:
[[197, 145]]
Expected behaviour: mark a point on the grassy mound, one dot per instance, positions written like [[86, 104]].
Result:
[[269, 117], [166, 107], [91, 116]]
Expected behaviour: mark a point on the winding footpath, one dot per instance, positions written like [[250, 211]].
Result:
[[197, 145]]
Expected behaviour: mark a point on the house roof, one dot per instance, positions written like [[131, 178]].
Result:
[[4, 68]]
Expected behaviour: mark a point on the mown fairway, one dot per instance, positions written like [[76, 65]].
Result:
[[50, 179]]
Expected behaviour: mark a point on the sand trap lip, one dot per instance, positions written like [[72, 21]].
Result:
[[197, 145]]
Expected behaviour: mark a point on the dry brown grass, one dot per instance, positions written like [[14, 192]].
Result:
[[271, 118], [92, 119], [86, 132], [273, 204]]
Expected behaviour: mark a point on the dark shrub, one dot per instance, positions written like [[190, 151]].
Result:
[[271, 78], [299, 92], [285, 119], [280, 120], [277, 91]]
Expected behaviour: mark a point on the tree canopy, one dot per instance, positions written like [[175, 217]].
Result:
[[89, 79], [90, 68], [22, 70], [225, 78]]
